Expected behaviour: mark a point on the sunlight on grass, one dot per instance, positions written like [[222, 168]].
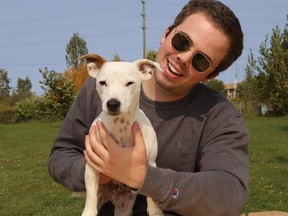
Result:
[[268, 164], [26, 188]]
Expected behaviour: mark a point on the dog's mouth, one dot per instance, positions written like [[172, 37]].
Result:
[[113, 113]]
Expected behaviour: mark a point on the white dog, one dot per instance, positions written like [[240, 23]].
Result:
[[118, 85]]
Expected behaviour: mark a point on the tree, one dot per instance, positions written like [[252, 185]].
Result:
[[77, 76], [273, 72], [246, 90], [116, 58], [74, 49], [217, 85], [4, 84], [59, 93], [24, 87], [151, 55], [267, 77]]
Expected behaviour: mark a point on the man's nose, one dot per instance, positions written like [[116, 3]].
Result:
[[185, 57]]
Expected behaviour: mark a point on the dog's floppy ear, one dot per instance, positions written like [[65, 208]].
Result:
[[94, 63], [147, 67]]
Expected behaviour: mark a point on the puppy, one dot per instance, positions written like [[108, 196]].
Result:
[[118, 85]]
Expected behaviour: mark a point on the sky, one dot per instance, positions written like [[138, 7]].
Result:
[[34, 34]]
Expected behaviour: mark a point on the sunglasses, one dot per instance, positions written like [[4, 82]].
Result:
[[200, 62]]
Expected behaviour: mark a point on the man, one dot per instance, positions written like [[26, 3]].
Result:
[[202, 139]]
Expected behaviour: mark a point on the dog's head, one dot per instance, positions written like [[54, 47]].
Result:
[[118, 83]]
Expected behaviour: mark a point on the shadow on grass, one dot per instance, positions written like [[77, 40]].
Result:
[[282, 159], [283, 128]]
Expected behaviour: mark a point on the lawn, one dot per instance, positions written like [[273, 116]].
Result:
[[268, 164], [27, 189]]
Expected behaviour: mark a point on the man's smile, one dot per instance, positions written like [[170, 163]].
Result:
[[173, 70]]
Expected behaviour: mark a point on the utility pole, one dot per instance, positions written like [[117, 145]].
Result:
[[144, 27]]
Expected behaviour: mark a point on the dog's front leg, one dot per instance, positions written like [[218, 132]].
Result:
[[152, 208], [92, 185]]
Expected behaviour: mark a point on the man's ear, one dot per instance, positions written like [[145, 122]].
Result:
[[168, 30], [166, 33], [94, 63]]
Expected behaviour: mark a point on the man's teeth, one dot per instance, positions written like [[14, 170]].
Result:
[[173, 70]]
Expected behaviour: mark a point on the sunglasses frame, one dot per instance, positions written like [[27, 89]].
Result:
[[195, 53]]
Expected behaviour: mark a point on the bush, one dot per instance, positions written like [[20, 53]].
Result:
[[7, 117], [30, 109], [6, 112]]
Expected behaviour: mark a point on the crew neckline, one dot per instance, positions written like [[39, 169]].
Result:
[[167, 104]]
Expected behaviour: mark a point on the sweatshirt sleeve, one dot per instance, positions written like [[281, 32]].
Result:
[[66, 163], [220, 184]]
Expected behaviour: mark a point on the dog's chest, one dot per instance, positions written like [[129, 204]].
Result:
[[120, 129]]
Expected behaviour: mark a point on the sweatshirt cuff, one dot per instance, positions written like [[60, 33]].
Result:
[[158, 184]]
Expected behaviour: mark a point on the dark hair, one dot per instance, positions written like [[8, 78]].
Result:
[[224, 19]]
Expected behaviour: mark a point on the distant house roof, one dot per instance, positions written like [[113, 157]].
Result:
[[229, 86]]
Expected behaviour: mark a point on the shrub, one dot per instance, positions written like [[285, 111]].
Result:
[[32, 108]]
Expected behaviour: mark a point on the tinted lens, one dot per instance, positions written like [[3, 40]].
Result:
[[200, 62], [180, 42]]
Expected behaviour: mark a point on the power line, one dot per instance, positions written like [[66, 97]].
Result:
[[69, 15], [66, 27]]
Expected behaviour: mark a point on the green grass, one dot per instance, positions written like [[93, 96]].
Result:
[[27, 189], [268, 164]]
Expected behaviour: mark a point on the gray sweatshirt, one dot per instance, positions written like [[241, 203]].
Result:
[[202, 163]]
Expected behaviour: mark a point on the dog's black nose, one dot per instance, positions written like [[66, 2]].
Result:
[[113, 105]]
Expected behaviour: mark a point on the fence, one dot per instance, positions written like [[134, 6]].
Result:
[[248, 107]]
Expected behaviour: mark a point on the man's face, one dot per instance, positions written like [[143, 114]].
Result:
[[178, 74]]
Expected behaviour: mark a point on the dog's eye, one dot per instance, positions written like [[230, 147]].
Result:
[[102, 83], [130, 83]]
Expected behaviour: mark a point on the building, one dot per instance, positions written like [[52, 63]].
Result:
[[230, 88]]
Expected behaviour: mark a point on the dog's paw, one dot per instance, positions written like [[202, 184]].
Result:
[[157, 214], [89, 213]]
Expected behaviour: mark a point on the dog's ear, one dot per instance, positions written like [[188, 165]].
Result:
[[94, 63], [147, 68]]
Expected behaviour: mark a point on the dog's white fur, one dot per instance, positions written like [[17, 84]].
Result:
[[118, 85]]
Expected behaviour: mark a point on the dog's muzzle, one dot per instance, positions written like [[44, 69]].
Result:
[[113, 106]]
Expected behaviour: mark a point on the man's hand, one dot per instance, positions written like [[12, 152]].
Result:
[[127, 165]]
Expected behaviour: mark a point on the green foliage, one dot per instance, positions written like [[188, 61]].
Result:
[[151, 55], [4, 84], [59, 93], [270, 84], [53, 104], [74, 49], [32, 108], [273, 72], [246, 90], [24, 87], [116, 58], [217, 85], [6, 112]]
